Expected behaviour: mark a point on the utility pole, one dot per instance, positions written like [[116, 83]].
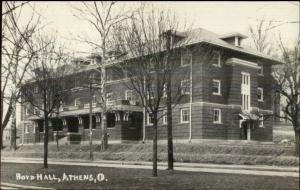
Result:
[[91, 122]]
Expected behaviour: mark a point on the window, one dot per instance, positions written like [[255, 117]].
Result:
[[216, 87], [149, 119], [76, 102], [36, 89], [261, 70], [77, 83], [26, 129], [165, 121], [151, 66], [216, 58], [26, 111], [186, 58], [129, 95], [217, 116], [245, 91], [109, 96], [94, 101], [185, 87], [165, 90], [34, 127], [260, 94], [150, 92], [185, 115], [35, 111], [261, 120]]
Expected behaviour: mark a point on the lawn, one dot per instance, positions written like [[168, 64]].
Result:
[[195, 152], [121, 178]]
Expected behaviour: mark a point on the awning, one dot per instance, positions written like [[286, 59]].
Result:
[[247, 117]]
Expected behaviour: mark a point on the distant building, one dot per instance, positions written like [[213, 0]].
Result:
[[230, 98]]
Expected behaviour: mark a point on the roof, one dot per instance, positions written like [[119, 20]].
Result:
[[190, 37], [233, 34], [202, 35]]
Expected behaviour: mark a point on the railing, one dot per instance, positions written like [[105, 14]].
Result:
[[86, 106]]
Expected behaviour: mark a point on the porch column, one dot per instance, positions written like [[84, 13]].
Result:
[[248, 132], [80, 124], [65, 127], [98, 120]]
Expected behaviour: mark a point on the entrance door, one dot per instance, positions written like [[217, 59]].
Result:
[[246, 131], [132, 129]]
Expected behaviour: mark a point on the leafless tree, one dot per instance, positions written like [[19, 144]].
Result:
[[260, 34], [17, 54], [102, 16], [287, 77], [151, 47], [46, 72]]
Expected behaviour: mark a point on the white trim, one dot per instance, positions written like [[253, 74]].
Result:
[[109, 94], [164, 117], [27, 111], [242, 62], [261, 121], [219, 87], [165, 90], [219, 58], [36, 90], [126, 95], [262, 94], [220, 116], [148, 120], [185, 51], [76, 102], [181, 115], [186, 87]]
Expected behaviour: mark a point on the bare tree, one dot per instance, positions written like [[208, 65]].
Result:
[[17, 54], [102, 16], [150, 65], [287, 77], [47, 72], [260, 34]]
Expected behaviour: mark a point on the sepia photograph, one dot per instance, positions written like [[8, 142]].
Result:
[[158, 95]]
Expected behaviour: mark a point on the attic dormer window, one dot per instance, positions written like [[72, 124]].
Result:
[[237, 41]]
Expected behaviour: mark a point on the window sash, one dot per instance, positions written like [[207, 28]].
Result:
[[165, 121], [185, 87], [185, 116], [217, 116], [216, 87], [260, 94]]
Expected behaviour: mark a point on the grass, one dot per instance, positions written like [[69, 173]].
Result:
[[122, 178], [196, 152]]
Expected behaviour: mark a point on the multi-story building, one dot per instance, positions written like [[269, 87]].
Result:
[[229, 97]]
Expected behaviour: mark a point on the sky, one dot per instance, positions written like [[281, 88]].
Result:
[[218, 17]]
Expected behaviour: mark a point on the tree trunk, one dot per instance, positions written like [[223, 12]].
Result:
[[297, 144], [169, 126], [154, 160], [13, 135], [6, 120], [46, 140], [2, 130], [104, 140]]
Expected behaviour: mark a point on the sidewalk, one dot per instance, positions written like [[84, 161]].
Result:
[[192, 167]]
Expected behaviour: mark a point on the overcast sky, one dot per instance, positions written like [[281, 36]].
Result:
[[218, 17]]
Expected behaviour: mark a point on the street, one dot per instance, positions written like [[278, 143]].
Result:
[[87, 177]]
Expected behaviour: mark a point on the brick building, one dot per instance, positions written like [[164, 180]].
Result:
[[227, 99]]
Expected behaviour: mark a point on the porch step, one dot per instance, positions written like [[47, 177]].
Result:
[[63, 140]]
